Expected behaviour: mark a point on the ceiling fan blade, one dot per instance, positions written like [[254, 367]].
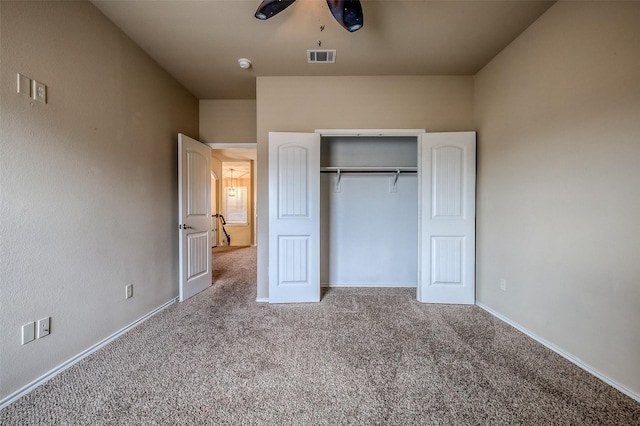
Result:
[[348, 13], [268, 8]]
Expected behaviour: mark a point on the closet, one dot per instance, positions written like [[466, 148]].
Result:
[[372, 208], [368, 211]]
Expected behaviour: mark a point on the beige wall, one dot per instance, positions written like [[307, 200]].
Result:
[[225, 121], [558, 154], [304, 104], [89, 190], [558, 117], [231, 121]]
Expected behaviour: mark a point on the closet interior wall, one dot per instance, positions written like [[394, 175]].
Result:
[[368, 219]]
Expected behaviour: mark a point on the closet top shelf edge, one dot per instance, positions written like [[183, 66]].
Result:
[[369, 169], [370, 132]]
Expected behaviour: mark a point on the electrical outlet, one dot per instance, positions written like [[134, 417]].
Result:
[[128, 291], [503, 284], [28, 332], [43, 327], [39, 91]]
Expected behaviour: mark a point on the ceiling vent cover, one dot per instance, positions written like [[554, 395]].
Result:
[[321, 56]]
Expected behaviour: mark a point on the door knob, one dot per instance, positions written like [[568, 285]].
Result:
[[185, 226]]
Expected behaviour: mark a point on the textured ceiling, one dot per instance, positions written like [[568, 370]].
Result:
[[200, 42]]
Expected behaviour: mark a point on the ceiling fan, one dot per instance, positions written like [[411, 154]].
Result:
[[348, 13]]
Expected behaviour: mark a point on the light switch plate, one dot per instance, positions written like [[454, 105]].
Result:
[[24, 85], [43, 327], [28, 332], [39, 92]]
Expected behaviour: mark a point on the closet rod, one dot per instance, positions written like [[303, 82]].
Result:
[[393, 170], [369, 169]]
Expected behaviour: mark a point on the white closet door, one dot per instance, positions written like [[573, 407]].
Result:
[[294, 217], [447, 221]]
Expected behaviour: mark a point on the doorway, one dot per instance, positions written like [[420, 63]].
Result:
[[235, 192], [242, 158]]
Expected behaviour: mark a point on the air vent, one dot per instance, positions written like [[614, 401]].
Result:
[[321, 56]]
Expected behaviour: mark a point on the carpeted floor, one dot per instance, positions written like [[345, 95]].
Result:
[[361, 356]]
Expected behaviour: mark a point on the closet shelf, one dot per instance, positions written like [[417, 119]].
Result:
[[375, 169]]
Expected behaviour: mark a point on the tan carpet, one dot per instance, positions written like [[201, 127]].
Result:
[[361, 356]]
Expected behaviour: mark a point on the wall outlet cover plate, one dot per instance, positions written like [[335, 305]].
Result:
[[39, 92], [43, 327], [24, 85], [28, 332]]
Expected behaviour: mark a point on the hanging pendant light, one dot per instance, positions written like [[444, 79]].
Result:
[[231, 192], [269, 8]]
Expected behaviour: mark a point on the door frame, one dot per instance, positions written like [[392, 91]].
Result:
[[254, 173], [384, 133], [214, 217], [349, 133], [370, 132]]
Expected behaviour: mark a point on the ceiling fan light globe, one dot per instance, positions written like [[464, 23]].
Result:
[[348, 13], [270, 8]]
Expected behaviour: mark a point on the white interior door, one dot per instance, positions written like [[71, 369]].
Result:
[[194, 199], [294, 217], [447, 185]]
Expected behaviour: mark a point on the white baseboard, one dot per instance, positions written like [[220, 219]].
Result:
[[59, 369], [262, 300], [564, 354]]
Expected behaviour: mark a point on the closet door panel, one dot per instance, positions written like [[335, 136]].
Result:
[[447, 195], [294, 217], [447, 222]]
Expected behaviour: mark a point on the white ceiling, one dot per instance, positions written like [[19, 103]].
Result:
[[236, 169], [237, 159], [200, 42]]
